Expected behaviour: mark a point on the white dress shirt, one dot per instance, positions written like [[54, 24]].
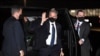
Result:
[[48, 40]]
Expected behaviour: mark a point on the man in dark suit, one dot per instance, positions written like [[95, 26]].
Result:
[[48, 35], [83, 29], [14, 43]]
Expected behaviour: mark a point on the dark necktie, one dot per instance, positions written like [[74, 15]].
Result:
[[78, 27], [53, 35]]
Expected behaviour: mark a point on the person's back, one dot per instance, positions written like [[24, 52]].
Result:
[[6, 28], [8, 33], [14, 42]]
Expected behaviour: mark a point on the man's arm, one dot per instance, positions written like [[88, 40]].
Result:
[[85, 34], [39, 22], [43, 18], [17, 29], [60, 35]]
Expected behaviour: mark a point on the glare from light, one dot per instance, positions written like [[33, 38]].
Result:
[[88, 12], [86, 20], [72, 11], [90, 24], [31, 19]]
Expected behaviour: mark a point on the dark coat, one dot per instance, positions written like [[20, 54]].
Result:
[[84, 32], [42, 32], [14, 40]]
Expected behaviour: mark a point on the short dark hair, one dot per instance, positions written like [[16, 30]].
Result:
[[79, 11], [15, 9], [53, 10]]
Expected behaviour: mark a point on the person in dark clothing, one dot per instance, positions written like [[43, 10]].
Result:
[[14, 41], [48, 37], [82, 28]]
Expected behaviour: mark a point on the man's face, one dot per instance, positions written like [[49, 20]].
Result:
[[18, 13], [80, 14], [53, 15]]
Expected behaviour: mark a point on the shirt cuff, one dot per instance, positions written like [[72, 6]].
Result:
[[41, 24], [83, 39]]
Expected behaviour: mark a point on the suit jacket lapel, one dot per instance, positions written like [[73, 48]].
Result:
[[56, 26], [81, 29]]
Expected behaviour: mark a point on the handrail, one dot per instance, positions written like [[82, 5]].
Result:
[[73, 30]]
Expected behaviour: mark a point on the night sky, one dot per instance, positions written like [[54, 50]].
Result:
[[70, 4]]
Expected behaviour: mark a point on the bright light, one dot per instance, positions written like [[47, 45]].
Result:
[[31, 19], [86, 20], [91, 24], [72, 11], [88, 12]]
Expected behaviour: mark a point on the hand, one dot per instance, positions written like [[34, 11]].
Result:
[[81, 42], [21, 53], [61, 53], [25, 19], [43, 17]]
